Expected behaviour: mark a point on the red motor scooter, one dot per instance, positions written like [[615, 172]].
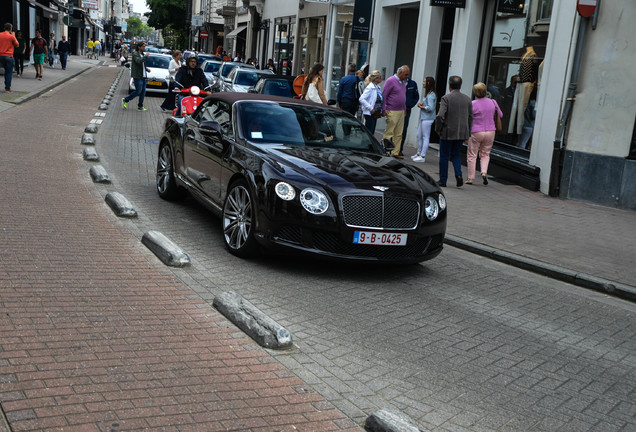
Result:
[[193, 97]]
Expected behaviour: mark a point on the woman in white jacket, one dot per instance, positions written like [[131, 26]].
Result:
[[371, 100]]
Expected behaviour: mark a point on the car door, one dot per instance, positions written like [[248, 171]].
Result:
[[208, 147]]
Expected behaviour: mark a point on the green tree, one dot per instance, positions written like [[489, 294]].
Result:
[[135, 26], [170, 17]]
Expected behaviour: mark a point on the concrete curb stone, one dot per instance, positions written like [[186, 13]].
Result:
[[264, 330], [550, 270], [120, 205], [88, 139], [385, 420], [90, 154], [91, 128], [98, 174], [166, 250]]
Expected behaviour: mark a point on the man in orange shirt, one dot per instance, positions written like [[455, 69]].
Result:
[[8, 42]]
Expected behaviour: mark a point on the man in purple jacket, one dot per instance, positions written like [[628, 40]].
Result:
[[394, 95]]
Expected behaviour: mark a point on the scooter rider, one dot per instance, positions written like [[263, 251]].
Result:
[[191, 75]]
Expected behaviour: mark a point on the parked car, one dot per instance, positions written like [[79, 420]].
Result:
[[293, 176], [275, 85], [242, 79], [224, 71], [158, 77], [201, 57], [210, 69]]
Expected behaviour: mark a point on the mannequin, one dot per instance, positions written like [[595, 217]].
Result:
[[528, 73]]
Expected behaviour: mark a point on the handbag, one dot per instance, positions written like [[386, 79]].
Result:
[[377, 108], [497, 119], [312, 94]]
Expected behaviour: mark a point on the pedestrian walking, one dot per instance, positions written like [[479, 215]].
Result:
[[19, 53], [482, 133], [348, 97], [169, 102], [102, 47], [97, 49], [428, 108], [371, 100], [39, 51], [313, 89], [453, 124], [394, 94], [139, 73], [8, 44], [90, 45], [412, 98], [51, 49], [64, 50]]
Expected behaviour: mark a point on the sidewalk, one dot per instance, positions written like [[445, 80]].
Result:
[[584, 244], [96, 333]]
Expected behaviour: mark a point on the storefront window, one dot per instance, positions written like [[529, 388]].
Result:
[[284, 30], [515, 65], [345, 51]]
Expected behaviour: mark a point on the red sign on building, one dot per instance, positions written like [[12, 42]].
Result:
[[586, 8]]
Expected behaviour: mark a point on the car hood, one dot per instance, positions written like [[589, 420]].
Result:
[[336, 169], [158, 74]]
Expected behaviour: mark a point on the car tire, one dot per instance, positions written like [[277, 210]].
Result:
[[166, 183], [238, 221]]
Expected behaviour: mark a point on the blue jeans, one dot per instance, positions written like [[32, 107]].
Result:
[[140, 90], [7, 63], [51, 57], [370, 123], [63, 57], [449, 149]]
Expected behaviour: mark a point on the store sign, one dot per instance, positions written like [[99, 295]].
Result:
[[449, 3], [511, 6], [361, 26], [90, 4]]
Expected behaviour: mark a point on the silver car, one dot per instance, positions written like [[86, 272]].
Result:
[[242, 79], [224, 71], [211, 69]]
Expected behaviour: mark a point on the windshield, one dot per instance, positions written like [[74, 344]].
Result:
[[212, 67], [157, 62], [277, 88], [301, 125], [227, 68], [246, 78]]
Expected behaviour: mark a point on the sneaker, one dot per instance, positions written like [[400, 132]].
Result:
[[124, 104], [419, 159], [142, 109], [163, 109], [415, 156]]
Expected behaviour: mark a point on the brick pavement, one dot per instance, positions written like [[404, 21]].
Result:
[[96, 333]]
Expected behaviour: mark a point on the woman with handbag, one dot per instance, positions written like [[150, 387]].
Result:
[[486, 112], [312, 87], [428, 111], [371, 100]]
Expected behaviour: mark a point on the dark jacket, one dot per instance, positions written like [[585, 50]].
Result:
[[64, 46], [137, 65], [454, 120], [195, 78], [412, 95]]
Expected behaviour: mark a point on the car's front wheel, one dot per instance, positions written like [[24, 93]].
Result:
[[238, 221], [166, 183]]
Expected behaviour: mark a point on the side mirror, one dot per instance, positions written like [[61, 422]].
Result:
[[210, 127]]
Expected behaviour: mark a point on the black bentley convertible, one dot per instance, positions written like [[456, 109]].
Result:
[[295, 176]]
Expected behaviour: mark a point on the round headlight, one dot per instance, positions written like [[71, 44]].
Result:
[[442, 202], [431, 208], [314, 201], [285, 191], [194, 90]]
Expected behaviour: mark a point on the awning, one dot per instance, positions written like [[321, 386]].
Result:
[[48, 12], [91, 22], [235, 32]]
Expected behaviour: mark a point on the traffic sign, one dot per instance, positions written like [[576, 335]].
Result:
[[586, 8], [203, 34]]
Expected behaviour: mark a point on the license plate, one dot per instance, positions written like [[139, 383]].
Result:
[[155, 83], [382, 239]]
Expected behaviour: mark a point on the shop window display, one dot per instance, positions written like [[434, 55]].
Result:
[[515, 65]]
